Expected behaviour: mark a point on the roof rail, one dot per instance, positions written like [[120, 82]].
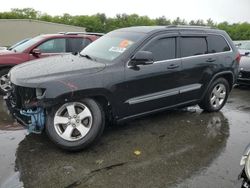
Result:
[[189, 26], [82, 33]]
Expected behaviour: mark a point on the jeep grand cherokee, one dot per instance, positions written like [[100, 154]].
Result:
[[125, 74]]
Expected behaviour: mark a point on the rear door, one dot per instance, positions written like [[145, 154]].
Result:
[[196, 66], [203, 55], [154, 86]]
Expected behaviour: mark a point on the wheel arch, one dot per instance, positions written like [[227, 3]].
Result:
[[101, 96], [228, 75]]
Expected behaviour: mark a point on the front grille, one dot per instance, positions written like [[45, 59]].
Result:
[[244, 74], [21, 96]]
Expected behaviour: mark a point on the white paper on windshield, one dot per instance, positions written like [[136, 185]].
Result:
[[117, 49]]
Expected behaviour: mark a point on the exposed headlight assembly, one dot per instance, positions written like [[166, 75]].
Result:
[[40, 93]]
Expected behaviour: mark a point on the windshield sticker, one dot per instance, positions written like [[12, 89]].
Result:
[[125, 43], [117, 49]]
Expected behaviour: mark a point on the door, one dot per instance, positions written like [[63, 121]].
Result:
[[51, 47], [197, 65], [155, 86]]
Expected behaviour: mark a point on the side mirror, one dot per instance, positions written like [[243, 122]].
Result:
[[247, 53], [142, 58], [36, 52]]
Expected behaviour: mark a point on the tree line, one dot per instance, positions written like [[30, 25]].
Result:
[[101, 23]]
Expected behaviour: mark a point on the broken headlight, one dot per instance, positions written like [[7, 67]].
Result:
[[40, 93]]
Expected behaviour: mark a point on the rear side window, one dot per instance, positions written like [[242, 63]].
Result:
[[77, 44], [192, 46], [217, 44], [163, 49]]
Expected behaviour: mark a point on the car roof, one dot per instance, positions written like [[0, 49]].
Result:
[[61, 35], [151, 29]]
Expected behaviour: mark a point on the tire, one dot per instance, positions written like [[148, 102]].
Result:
[[3, 72], [215, 98], [83, 128]]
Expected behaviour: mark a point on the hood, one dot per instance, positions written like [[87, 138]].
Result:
[[6, 52], [245, 63], [52, 69]]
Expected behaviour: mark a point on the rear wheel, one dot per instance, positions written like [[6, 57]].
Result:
[[4, 81], [216, 96], [75, 125]]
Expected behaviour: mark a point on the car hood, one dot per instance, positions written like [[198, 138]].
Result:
[[6, 52], [52, 69], [245, 63]]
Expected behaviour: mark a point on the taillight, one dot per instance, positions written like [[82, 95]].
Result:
[[238, 57]]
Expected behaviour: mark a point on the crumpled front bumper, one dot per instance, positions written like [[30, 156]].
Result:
[[33, 118]]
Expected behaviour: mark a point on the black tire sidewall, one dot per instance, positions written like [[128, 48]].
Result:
[[98, 119]]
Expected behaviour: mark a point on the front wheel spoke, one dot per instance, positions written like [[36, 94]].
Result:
[[4, 86], [82, 129], [60, 120], [219, 89], [68, 132], [217, 102], [84, 114], [71, 110], [4, 79], [213, 99], [222, 95]]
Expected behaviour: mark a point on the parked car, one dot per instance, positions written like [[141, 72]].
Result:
[[244, 47], [244, 71], [40, 47], [245, 173], [125, 74]]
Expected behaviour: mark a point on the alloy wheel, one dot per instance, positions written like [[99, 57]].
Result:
[[73, 121]]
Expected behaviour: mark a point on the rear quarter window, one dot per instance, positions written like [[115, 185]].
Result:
[[216, 44]]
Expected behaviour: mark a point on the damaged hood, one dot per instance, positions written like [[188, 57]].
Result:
[[55, 68]]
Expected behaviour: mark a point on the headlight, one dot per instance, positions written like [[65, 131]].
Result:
[[40, 93]]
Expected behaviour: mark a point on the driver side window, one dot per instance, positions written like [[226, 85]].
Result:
[[53, 46], [163, 49]]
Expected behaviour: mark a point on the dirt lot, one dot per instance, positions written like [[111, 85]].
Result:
[[178, 148]]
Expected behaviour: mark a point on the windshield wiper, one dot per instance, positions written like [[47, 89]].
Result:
[[87, 56]]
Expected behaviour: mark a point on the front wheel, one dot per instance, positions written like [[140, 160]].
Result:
[[216, 97], [4, 81], [75, 125]]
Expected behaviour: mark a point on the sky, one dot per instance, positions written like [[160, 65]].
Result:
[[218, 10]]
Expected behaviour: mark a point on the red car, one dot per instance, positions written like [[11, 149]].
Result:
[[40, 47]]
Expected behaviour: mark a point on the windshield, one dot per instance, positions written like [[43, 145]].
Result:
[[244, 45], [18, 43], [25, 45], [112, 45]]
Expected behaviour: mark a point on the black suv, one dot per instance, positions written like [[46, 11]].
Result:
[[125, 74]]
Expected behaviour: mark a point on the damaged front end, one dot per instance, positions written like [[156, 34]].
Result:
[[25, 104]]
